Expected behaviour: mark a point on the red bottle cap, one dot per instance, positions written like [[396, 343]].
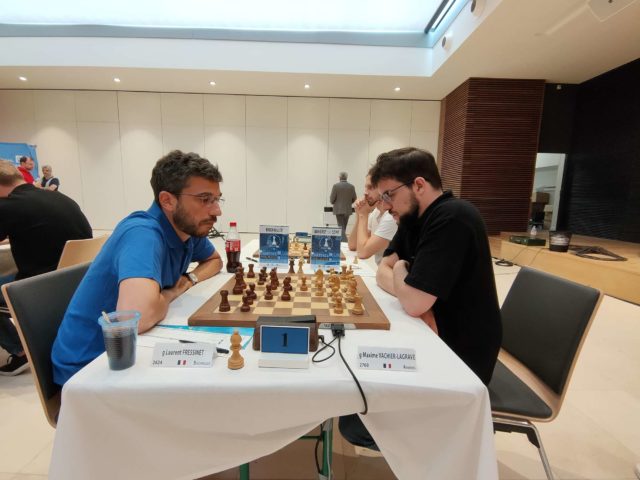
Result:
[[232, 224]]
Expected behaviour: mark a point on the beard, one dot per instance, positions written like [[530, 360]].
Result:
[[410, 218], [187, 224]]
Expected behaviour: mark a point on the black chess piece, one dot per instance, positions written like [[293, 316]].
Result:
[[224, 303]]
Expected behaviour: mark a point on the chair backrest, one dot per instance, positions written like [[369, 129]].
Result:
[[545, 321], [37, 306], [81, 251]]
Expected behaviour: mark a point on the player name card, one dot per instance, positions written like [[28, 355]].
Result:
[[387, 358], [180, 355], [325, 246], [274, 245]]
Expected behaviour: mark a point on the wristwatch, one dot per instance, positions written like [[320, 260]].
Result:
[[192, 276]]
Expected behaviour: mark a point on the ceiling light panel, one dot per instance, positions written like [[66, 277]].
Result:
[[377, 16]]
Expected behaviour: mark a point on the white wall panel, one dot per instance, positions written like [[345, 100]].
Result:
[[101, 168], [266, 176], [96, 106], [141, 146], [270, 112], [18, 131], [54, 105], [188, 138], [391, 115], [425, 116], [139, 108], [182, 109], [225, 147], [426, 140], [224, 110], [17, 105], [348, 152], [307, 166], [381, 141], [308, 112], [57, 143], [349, 114]]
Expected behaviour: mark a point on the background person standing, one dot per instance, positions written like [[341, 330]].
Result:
[[49, 182], [343, 194]]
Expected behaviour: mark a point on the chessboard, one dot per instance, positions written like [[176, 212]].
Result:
[[314, 301]]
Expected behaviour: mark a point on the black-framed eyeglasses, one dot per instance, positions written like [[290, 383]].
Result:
[[205, 198], [387, 196]]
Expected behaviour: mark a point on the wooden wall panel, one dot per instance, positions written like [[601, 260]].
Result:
[[489, 147]]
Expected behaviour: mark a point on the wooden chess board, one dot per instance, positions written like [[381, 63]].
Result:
[[301, 303]]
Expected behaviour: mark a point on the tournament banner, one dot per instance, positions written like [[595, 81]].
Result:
[[13, 152], [325, 246], [274, 245]]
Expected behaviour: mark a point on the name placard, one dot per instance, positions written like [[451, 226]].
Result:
[[387, 358], [325, 246], [183, 355], [274, 245]]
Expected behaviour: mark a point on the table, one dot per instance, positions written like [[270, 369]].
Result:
[[161, 423]]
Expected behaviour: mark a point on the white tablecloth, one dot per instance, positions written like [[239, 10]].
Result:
[[159, 423]]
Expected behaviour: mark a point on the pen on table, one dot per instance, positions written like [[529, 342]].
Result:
[[251, 259], [218, 349]]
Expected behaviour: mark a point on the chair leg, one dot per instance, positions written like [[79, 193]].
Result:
[[244, 471], [327, 449], [507, 425]]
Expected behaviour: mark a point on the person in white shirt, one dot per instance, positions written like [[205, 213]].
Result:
[[374, 227]]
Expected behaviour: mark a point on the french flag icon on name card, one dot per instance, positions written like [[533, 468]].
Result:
[[386, 365], [182, 362]]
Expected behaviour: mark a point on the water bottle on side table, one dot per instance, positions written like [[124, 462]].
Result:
[[232, 247]]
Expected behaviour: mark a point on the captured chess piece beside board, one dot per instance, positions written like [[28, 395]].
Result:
[[331, 297]]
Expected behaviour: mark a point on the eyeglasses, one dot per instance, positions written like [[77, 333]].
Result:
[[386, 196], [205, 198]]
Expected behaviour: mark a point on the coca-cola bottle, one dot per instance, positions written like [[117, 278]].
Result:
[[232, 246]]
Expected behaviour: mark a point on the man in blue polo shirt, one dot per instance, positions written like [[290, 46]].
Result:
[[143, 264]]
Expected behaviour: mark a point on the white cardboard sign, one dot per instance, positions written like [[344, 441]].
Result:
[[387, 358], [183, 355]]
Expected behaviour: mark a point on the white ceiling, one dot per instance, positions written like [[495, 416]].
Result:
[[562, 41]]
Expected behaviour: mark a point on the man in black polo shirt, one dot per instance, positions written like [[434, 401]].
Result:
[[38, 223], [438, 265]]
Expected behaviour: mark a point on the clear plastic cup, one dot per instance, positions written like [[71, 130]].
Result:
[[120, 335]]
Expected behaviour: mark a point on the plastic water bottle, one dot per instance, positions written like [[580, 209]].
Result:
[[533, 232], [232, 247]]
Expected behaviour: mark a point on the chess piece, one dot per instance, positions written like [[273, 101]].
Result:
[[245, 304], [261, 279], [251, 274], [235, 361], [285, 296], [286, 285], [247, 294], [355, 260], [252, 291], [342, 267], [237, 288], [300, 264], [224, 303], [291, 264], [268, 295], [357, 307], [240, 270], [319, 290], [337, 308], [303, 287]]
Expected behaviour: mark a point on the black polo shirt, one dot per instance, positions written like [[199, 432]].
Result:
[[448, 252], [38, 224]]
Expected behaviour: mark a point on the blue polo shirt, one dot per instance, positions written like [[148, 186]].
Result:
[[143, 245]]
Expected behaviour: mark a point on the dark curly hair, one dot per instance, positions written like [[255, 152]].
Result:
[[404, 165], [172, 172]]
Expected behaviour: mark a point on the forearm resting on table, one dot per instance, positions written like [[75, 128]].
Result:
[[415, 302], [209, 267], [144, 295], [384, 275], [353, 237]]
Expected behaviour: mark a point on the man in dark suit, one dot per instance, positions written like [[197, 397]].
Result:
[[343, 194]]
